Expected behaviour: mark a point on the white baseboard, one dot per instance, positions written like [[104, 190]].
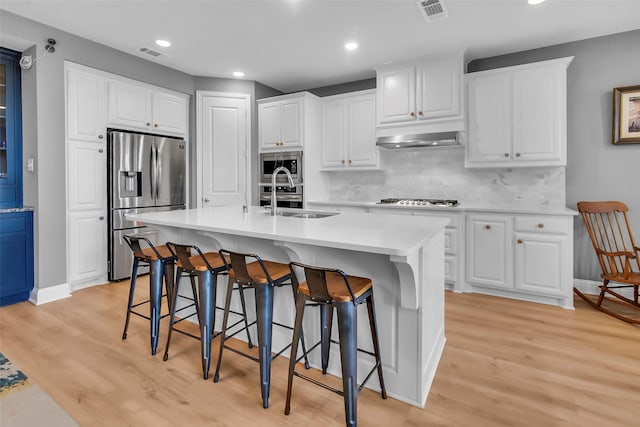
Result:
[[39, 296], [590, 287]]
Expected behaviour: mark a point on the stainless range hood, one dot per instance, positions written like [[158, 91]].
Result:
[[434, 139]]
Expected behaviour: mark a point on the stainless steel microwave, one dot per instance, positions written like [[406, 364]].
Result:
[[291, 160]]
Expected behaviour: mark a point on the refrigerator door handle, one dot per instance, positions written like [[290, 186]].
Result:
[[158, 170], [152, 171]]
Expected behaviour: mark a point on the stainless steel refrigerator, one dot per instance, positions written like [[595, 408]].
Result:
[[145, 173]]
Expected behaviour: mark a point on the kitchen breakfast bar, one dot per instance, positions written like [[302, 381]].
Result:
[[403, 255]]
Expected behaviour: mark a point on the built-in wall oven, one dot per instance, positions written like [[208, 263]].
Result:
[[285, 196]]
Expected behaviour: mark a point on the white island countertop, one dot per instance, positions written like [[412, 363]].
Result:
[[381, 234]]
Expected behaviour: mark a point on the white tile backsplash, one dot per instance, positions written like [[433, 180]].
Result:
[[440, 173]]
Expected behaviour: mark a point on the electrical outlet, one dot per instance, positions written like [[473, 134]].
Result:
[[518, 197]]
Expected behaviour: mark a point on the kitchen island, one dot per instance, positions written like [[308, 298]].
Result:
[[404, 256]]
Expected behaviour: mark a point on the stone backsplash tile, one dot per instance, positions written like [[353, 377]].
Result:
[[440, 173]]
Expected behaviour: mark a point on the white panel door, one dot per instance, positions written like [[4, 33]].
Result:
[[291, 113], [129, 106], [223, 146], [489, 255], [87, 246], [539, 266], [86, 176], [269, 125], [333, 134], [361, 131], [490, 112], [537, 115], [438, 88], [396, 90], [86, 106], [169, 114]]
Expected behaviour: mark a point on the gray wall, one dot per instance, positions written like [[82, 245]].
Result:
[[597, 169]]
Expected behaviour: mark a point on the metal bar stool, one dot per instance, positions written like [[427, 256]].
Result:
[[332, 288], [205, 267], [161, 262], [263, 276]]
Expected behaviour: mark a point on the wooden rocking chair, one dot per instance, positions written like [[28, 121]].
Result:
[[617, 253]]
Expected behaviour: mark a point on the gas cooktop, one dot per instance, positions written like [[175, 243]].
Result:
[[419, 202]]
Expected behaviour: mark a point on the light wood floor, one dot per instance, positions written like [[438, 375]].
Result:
[[506, 363]]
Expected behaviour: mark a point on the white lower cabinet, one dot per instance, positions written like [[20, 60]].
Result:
[[489, 258], [87, 246], [522, 256]]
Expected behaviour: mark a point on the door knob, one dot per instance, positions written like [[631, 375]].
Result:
[[506, 154], [100, 150], [206, 200], [420, 113], [488, 227], [101, 218], [541, 225], [517, 154], [412, 114], [100, 136], [519, 241]]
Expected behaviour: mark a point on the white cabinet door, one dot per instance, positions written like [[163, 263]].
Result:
[[489, 252], [538, 116], [333, 133], [129, 106], [361, 149], [540, 263], [87, 246], [86, 106], [86, 176], [224, 140], [291, 113], [396, 90], [490, 110], [438, 90], [269, 125], [169, 113]]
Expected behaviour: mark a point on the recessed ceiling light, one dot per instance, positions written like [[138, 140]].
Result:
[[535, 1], [351, 46], [238, 73], [163, 43]]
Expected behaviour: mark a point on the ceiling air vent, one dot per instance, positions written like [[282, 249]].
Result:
[[433, 10], [150, 51]]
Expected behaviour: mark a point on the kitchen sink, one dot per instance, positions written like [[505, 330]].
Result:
[[307, 214]]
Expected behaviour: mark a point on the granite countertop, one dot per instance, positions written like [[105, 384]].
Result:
[[463, 207], [12, 210], [383, 234]]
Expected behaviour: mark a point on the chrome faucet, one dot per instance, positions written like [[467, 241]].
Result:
[[274, 204]]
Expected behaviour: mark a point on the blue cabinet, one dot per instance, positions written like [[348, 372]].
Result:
[[16, 256], [10, 130]]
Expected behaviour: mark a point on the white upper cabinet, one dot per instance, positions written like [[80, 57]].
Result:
[[86, 106], [348, 132], [281, 122], [517, 116], [423, 92], [138, 107]]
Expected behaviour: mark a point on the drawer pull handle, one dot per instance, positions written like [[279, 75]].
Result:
[[420, 113], [541, 225], [100, 136], [519, 241], [148, 124], [101, 218], [100, 150], [488, 227], [506, 155]]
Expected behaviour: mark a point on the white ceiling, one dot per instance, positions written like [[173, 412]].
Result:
[[298, 44]]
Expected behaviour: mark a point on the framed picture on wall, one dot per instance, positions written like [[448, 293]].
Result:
[[626, 115]]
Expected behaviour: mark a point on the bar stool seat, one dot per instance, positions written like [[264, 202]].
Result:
[[206, 267], [336, 289], [262, 276], [161, 263], [332, 288]]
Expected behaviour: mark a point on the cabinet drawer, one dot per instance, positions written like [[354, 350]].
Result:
[[450, 269], [13, 223], [542, 224], [450, 241]]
